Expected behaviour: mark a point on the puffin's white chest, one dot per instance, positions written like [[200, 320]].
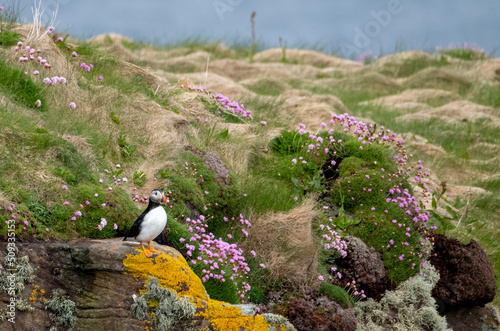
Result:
[[153, 224]]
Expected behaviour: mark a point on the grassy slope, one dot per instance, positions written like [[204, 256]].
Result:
[[37, 157]]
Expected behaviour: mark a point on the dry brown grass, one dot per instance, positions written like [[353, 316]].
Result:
[[309, 57], [417, 96], [454, 112], [285, 243]]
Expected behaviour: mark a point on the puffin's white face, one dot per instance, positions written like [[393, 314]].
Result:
[[157, 196]]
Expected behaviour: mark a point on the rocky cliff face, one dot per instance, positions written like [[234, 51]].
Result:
[[111, 285]]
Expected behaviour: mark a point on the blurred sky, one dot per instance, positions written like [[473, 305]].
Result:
[[349, 27]]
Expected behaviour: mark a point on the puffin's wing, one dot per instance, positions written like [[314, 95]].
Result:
[[136, 228]]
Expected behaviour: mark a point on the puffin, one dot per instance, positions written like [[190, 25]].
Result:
[[151, 222]]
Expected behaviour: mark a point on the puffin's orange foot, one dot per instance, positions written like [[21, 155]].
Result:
[[154, 250], [147, 252]]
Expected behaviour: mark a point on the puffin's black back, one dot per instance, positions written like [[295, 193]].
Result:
[[136, 228]]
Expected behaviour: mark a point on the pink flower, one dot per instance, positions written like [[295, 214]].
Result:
[[263, 123], [87, 202], [78, 213], [66, 203], [64, 187], [262, 266], [115, 226], [26, 223], [36, 72], [69, 137], [74, 54], [47, 230], [100, 78], [321, 278], [60, 39], [72, 105], [73, 218], [38, 103], [1, 8]]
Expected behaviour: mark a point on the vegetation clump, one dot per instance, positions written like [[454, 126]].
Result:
[[168, 308], [62, 310]]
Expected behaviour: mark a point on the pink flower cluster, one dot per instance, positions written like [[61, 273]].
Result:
[[102, 224], [232, 106], [216, 253], [54, 80], [333, 240], [86, 67], [226, 104]]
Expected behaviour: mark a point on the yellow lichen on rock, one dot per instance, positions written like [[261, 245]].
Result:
[[174, 273], [223, 316], [170, 268]]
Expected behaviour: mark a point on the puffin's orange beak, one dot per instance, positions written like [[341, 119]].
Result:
[[164, 199]]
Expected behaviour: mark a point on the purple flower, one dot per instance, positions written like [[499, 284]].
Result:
[[64, 187]]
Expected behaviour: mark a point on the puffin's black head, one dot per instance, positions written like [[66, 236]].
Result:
[[157, 196]]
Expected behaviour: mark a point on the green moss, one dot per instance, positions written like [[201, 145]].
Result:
[[62, 309], [336, 293], [222, 291], [350, 165], [199, 186], [119, 209]]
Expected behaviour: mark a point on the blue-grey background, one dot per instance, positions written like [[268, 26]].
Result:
[[326, 24]]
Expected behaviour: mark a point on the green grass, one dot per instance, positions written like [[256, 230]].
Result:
[[465, 54], [413, 65], [267, 86], [20, 88], [9, 38]]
